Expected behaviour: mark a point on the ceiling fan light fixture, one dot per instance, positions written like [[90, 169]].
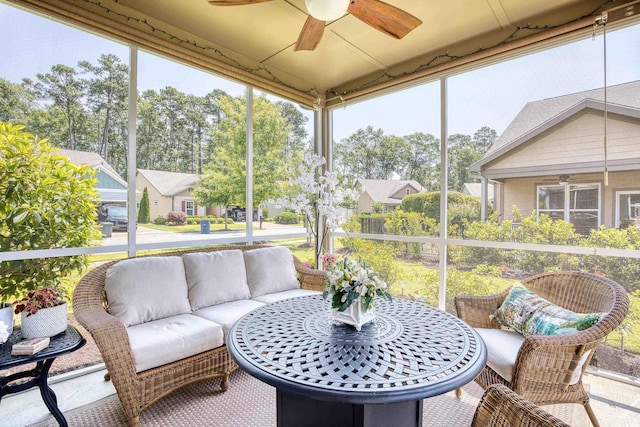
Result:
[[327, 10]]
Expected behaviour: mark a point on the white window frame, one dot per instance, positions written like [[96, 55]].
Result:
[[187, 208], [567, 201], [618, 194]]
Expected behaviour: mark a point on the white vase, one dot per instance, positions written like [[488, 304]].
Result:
[[47, 322], [355, 315]]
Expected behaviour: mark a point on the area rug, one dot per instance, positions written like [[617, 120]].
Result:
[[248, 403]]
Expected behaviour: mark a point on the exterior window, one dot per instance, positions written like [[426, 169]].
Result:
[[627, 208], [189, 207], [578, 204], [408, 191]]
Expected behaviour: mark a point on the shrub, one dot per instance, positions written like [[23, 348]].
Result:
[[625, 271], [460, 206], [47, 202], [409, 224], [160, 220], [287, 218], [143, 213], [379, 255], [176, 218]]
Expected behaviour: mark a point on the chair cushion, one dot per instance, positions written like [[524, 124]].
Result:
[[530, 314], [502, 350], [270, 270], [173, 338], [278, 296], [215, 278], [228, 313], [144, 289]]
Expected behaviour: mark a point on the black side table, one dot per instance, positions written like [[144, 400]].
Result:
[[63, 343]]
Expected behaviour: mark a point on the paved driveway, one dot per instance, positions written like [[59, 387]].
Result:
[[150, 235]]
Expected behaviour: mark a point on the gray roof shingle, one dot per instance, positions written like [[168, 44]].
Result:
[[170, 183], [381, 190]]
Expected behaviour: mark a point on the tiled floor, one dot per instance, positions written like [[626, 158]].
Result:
[[615, 403]]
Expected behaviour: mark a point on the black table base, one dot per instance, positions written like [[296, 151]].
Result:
[[39, 375], [295, 410], [63, 343]]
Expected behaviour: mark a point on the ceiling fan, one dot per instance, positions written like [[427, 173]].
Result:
[[380, 15], [560, 180]]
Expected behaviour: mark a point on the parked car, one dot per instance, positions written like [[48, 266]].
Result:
[[116, 215]]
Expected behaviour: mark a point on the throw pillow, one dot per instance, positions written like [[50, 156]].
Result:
[[529, 314], [270, 270], [140, 290]]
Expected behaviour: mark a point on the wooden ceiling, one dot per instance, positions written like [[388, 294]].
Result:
[[255, 43]]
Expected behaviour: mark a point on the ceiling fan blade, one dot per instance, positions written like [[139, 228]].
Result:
[[310, 34], [384, 17], [234, 2]]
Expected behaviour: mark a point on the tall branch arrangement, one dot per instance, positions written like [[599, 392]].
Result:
[[318, 197]]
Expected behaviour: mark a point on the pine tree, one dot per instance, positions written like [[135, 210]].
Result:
[[143, 212]]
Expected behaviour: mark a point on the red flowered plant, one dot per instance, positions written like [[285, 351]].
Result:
[[36, 300]]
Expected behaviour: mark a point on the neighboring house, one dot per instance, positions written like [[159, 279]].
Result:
[[169, 191], [111, 187], [389, 192], [475, 189], [551, 159]]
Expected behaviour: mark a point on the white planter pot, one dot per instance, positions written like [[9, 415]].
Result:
[[47, 322], [354, 315]]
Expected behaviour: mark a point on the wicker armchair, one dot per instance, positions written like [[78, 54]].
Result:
[[138, 391], [501, 406], [545, 365]]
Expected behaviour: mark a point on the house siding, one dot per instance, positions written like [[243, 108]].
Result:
[[159, 205], [365, 203], [579, 136], [522, 193]]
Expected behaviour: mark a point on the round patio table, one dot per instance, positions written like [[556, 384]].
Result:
[[327, 373]]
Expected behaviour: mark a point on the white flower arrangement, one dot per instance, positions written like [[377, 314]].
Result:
[[349, 281], [4, 332], [317, 197]]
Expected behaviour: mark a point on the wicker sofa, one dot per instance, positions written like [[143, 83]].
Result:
[[547, 369], [133, 340]]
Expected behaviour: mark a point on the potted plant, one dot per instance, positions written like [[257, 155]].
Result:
[[47, 203], [352, 287], [43, 313]]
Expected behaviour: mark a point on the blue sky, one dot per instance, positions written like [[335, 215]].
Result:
[[490, 96]]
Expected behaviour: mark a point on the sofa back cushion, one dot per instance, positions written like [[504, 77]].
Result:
[[215, 278], [140, 290], [270, 270]]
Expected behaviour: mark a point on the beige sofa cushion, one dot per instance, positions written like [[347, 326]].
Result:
[[173, 338], [270, 270], [215, 278], [278, 296], [144, 289], [228, 313]]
